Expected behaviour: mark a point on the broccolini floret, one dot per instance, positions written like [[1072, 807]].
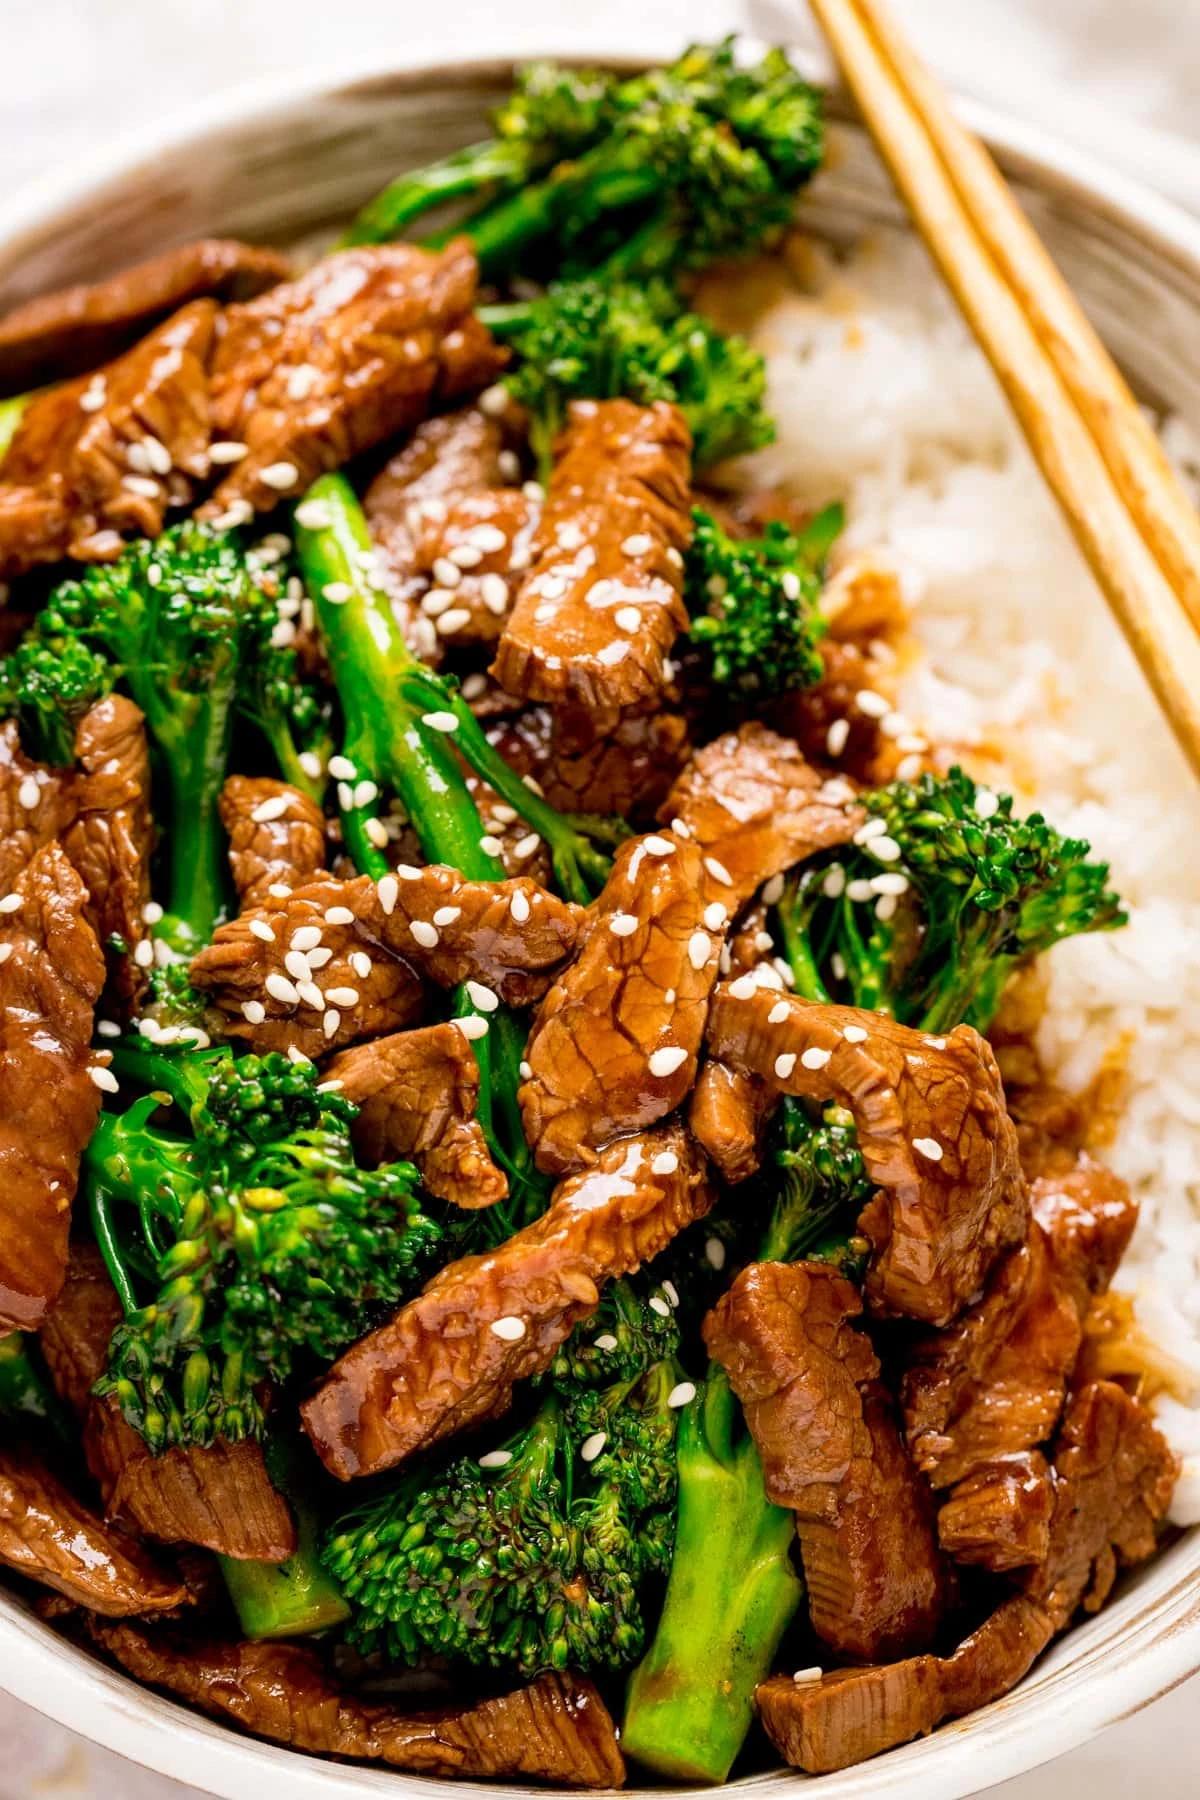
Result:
[[47, 688]]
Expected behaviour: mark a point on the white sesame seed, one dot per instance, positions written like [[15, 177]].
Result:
[[699, 949], [716, 917], [143, 954], [525, 847], [440, 721], [859, 890], [296, 964], [658, 846], [606, 1341], [623, 924], [238, 512], [345, 795], [466, 556], [909, 768], [305, 937], [301, 381], [871, 703], [807, 1677], [283, 633], [231, 450], [315, 515], [784, 1064], [637, 545], [779, 1012], [280, 988], [658, 1305], [6, 951], [107, 1028], [342, 996], [681, 828], [718, 871], [145, 485], [510, 1328], [494, 400], [253, 1011], [665, 1061], [310, 994], [331, 1021], [519, 908], [495, 1459], [936, 1043], [93, 397], [772, 892], [388, 890], [296, 1055], [854, 1034], [272, 808], [28, 793], [279, 890], [884, 849], [665, 1163], [612, 654], [744, 988], [789, 581], [318, 958], [105, 1080], [337, 592], [525, 1070], [377, 833], [763, 941], [490, 844], [260, 929], [509, 465], [279, 475], [365, 792], [158, 457], [929, 1147], [815, 1058], [591, 1446], [493, 591], [835, 737], [446, 915], [714, 1253], [627, 618], [424, 934], [533, 490], [682, 1393], [482, 997], [342, 769], [987, 804], [885, 907], [341, 915], [890, 882], [834, 881]]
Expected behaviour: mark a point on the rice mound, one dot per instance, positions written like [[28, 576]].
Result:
[[883, 401]]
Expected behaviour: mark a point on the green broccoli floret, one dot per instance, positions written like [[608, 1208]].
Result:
[[243, 1247], [532, 1554], [754, 604], [599, 340], [943, 892], [293, 713], [47, 688]]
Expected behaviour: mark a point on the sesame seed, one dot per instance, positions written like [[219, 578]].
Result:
[[107, 1028], [365, 792], [859, 890], [716, 917], [533, 490], [495, 1459], [493, 400], [936, 1043], [658, 846], [279, 475], [591, 1447], [659, 1306], [238, 512], [744, 988], [279, 890], [606, 1341], [342, 996], [376, 832], [665, 1061], [815, 1058], [699, 949], [612, 654], [260, 929], [525, 1070], [453, 621], [331, 1021], [274, 808], [854, 1034], [301, 381], [490, 844], [807, 1677], [6, 951], [466, 556], [305, 937], [143, 954], [890, 883], [145, 485], [158, 457], [987, 804], [623, 924], [440, 721], [337, 592], [296, 1055], [718, 871], [637, 545], [345, 795], [296, 964], [784, 1064], [885, 907], [487, 537], [627, 618], [681, 1394], [340, 915], [883, 849], [105, 1080], [283, 633], [763, 941], [519, 908], [510, 1328], [772, 892], [388, 890], [280, 988], [253, 1011], [93, 396], [909, 768], [311, 994], [871, 703], [779, 1012], [446, 915], [424, 934], [928, 1147], [835, 737], [230, 450], [665, 1163], [714, 1253], [28, 793], [789, 581], [509, 465], [526, 846], [837, 963], [318, 958], [342, 769], [493, 591], [482, 997]]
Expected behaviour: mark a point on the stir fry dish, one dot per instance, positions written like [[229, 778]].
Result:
[[533, 1235]]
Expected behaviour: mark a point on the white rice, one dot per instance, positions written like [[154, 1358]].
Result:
[[884, 402]]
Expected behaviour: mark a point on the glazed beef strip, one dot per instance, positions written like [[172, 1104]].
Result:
[[601, 604], [826, 1433], [999, 1515], [751, 800], [453, 535], [417, 1092], [276, 837], [76, 476], [319, 369], [932, 1127], [1114, 1474], [51, 975], [615, 1043], [75, 328], [624, 773], [728, 1114], [556, 1730], [49, 1536], [218, 1495], [452, 1356], [828, 723], [507, 937]]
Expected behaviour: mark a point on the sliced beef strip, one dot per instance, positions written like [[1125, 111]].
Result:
[[51, 1537], [452, 534], [828, 723], [999, 1515], [1114, 1477], [751, 801], [76, 328], [991, 1387], [615, 1043], [417, 1092], [728, 1115], [932, 1126], [25, 828], [556, 1730], [509, 937], [830, 1447], [76, 476], [602, 602], [625, 772], [51, 975], [218, 1495], [282, 848], [452, 1356], [320, 369]]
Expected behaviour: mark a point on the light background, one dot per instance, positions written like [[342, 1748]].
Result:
[[1120, 77]]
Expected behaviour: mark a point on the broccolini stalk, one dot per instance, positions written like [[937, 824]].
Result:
[[27, 1395], [294, 1598]]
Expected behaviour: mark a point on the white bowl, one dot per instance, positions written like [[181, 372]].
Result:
[[281, 159]]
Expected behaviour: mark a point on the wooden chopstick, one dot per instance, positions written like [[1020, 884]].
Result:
[[1126, 515]]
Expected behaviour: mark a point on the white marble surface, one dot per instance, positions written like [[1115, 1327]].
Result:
[[1114, 76]]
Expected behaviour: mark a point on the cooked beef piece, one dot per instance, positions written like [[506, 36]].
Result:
[[1113, 1479], [452, 535], [218, 1496], [556, 1730], [750, 941], [25, 828], [48, 1535], [78, 475], [51, 974], [111, 837], [615, 1043], [601, 604], [451, 1356], [276, 837], [75, 328], [858, 746], [993, 1384], [999, 1515], [751, 801], [509, 937], [830, 1447], [728, 1116], [625, 772], [417, 1092], [932, 1127], [324, 367]]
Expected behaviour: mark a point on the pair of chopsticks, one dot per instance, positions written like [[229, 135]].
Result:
[[1100, 456]]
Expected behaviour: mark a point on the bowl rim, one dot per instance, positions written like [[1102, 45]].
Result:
[[69, 1686]]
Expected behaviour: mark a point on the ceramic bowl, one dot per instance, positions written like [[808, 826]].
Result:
[[285, 159]]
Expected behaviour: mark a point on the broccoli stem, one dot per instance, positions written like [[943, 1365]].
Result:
[[197, 883], [457, 177], [27, 1394], [297, 1597], [731, 1595], [503, 231]]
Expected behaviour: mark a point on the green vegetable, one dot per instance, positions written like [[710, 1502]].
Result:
[[294, 1598], [27, 1395]]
